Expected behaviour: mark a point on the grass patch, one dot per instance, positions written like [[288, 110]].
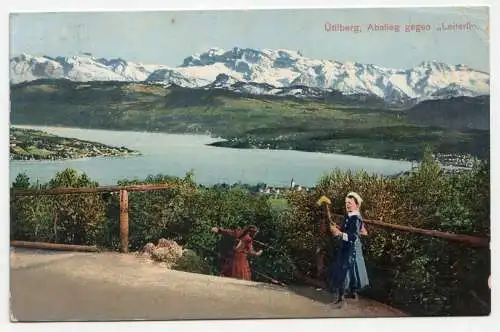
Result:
[[38, 152], [278, 204]]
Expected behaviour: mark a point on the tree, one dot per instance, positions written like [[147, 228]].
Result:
[[22, 181], [79, 216]]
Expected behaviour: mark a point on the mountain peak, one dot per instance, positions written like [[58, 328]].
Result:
[[264, 70], [435, 65], [81, 67]]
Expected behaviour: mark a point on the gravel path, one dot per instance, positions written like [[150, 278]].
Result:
[[56, 286]]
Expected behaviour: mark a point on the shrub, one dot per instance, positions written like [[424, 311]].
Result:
[[75, 219], [190, 261]]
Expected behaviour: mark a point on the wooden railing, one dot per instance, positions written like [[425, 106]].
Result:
[[469, 239], [87, 190], [123, 190], [124, 218]]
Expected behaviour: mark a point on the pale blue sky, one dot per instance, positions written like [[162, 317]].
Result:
[[168, 37]]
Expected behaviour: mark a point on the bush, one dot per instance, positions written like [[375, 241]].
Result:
[[190, 261], [74, 219], [167, 213]]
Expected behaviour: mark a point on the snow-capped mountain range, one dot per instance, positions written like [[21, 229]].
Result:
[[272, 72]]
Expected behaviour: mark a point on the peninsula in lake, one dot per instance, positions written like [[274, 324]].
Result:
[[29, 144]]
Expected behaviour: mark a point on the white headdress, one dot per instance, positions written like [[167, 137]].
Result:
[[356, 196]]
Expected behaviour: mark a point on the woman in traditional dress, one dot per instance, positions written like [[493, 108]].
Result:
[[349, 273], [236, 263], [321, 250]]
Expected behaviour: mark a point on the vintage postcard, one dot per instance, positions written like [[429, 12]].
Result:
[[245, 164]]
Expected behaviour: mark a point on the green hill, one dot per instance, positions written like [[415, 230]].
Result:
[[331, 124]]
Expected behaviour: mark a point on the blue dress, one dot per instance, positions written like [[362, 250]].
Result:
[[349, 270]]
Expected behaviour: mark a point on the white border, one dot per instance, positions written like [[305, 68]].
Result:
[[396, 324]]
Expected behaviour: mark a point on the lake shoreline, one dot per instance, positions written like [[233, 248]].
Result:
[[447, 161], [35, 144], [217, 142]]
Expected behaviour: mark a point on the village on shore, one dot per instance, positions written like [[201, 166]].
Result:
[[279, 191], [29, 144], [449, 164]]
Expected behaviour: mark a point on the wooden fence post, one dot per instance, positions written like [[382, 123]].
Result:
[[55, 227], [124, 221]]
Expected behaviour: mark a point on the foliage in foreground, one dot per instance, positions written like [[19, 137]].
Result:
[[419, 274]]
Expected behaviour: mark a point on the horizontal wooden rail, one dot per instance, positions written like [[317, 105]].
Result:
[[53, 246], [102, 189], [469, 239]]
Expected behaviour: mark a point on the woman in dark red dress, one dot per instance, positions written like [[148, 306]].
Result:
[[236, 264]]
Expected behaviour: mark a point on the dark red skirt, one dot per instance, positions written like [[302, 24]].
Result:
[[237, 267]]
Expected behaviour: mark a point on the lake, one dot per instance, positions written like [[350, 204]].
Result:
[[176, 154]]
